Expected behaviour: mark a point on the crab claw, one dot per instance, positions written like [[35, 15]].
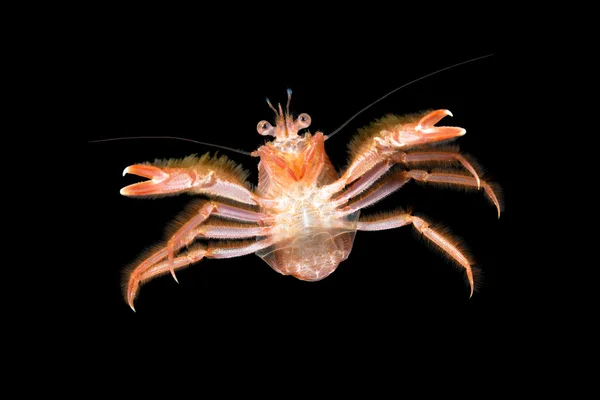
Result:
[[163, 181], [401, 135], [435, 133]]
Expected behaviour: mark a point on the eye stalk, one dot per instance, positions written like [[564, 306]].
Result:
[[303, 121], [265, 128], [286, 127]]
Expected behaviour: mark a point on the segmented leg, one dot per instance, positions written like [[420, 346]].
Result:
[[396, 180], [208, 231], [241, 214], [147, 271], [448, 246], [371, 176], [140, 272], [188, 231], [184, 236], [458, 180], [363, 183], [382, 189], [441, 156]]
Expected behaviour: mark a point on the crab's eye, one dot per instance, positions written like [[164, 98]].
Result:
[[264, 128], [303, 120]]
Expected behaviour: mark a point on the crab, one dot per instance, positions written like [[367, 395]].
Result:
[[303, 215]]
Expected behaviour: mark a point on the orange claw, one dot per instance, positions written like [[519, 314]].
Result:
[[426, 126], [162, 180], [400, 135]]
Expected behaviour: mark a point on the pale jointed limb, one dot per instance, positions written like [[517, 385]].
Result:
[[146, 271], [204, 209], [428, 156], [446, 244], [363, 183], [459, 181], [189, 231], [371, 176], [396, 180], [384, 188]]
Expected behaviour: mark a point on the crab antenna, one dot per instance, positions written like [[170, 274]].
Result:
[[271, 105], [173, 138], [402, 87], [287, 107]]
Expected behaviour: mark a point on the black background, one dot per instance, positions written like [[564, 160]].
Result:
[[210, 84]]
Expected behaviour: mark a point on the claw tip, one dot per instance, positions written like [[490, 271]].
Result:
[[130, 302]]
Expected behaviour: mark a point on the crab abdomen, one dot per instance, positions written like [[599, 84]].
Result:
[[313, 252]]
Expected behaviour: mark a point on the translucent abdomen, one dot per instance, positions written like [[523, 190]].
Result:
[[314, 252]]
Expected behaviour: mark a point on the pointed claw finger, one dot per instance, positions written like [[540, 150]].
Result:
[[147, 171], [474, 173], [433, 118], [491, 193], [471, 283], [171, 261], [444, 131], [132, 289]]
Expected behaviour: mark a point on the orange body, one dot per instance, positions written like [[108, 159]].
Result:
[[311, 239], [303, 216]]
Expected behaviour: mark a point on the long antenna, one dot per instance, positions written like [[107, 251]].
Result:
[[401, 87], [174, 138]]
